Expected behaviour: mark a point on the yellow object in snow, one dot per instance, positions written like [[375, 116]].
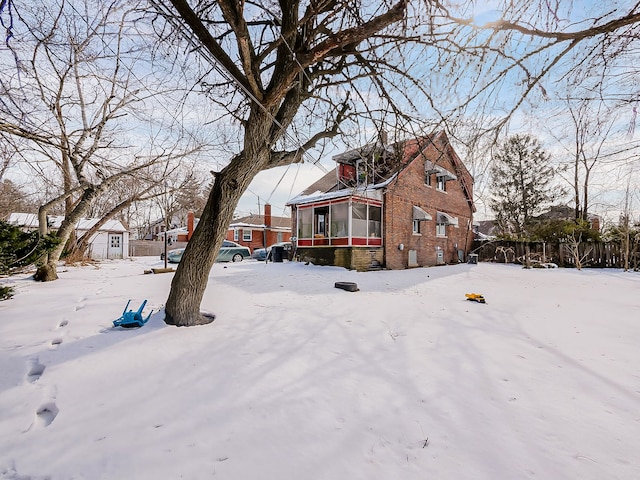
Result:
[[475, 297]]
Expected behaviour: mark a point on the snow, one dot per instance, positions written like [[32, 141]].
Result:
[[296, 379], [55, 221]]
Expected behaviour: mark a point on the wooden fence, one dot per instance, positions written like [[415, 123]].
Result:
[[591, 254], [145, 248]]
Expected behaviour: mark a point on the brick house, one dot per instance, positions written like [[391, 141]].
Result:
[[409, 204], [258, 231], [567, 213]]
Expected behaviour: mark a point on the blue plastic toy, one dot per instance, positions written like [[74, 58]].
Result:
[[131, 319]]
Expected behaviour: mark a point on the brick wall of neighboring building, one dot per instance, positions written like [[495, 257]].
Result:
[[267, 231], [410, 190], [258, 238]]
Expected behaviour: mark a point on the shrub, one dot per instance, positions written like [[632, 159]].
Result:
[[19, 249], [6, 293]]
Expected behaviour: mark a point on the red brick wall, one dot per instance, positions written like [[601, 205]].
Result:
[[410, 190], [257, 238]]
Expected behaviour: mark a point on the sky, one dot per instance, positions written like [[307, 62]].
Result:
[[296, 379], [279, 185]]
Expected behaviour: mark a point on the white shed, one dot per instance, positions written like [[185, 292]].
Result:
[[111, 240]]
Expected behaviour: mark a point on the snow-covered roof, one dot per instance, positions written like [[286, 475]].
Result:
[[257, 226], [179, 230], [30, 220], [369, 191], [255, 221]]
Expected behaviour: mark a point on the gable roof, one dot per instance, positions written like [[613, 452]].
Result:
[[329, 185], [562, 212], [30, 220]]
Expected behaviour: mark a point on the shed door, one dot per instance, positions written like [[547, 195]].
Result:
[[115, 245]]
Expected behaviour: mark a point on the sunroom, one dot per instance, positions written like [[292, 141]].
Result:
[[340, 222], [342, 229]]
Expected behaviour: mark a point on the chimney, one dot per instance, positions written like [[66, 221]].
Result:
[[267, 215], [190, 222]]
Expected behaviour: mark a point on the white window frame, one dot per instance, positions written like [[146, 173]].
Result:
[[245, 237], [416, 227], [236, 235], [441, 229], [441, 183]]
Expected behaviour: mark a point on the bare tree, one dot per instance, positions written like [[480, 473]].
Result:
[[279, 67], [80, 93], [13, 198], [170, 197], [593, 138], [281, 58]]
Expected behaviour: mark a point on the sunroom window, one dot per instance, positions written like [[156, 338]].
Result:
[[359, 214], [339, 220], [305, 223], [375, 221]]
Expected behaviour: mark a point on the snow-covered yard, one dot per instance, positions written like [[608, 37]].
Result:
[[296, 379]]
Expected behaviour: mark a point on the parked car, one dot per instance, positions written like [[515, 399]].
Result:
[[261, 254], [229, 252]]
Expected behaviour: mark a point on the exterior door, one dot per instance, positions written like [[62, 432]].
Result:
[[115, 245]]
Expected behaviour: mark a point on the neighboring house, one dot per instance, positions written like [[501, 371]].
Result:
[[181, 234], [111, 240], [485, 229], [155, 230], [258, 231], [395, 206], [565, 212]]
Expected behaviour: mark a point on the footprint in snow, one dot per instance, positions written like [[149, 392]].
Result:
[[45, 415], [36, 370]]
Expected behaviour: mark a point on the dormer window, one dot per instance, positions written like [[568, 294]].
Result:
[[346, 174]]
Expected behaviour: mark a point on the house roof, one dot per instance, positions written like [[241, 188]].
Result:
[[30, 220], [328, 186], [562, 212], [325, 184], [485, 227], [257, 221]]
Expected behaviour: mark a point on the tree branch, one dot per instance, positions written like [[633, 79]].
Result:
[[211, 45], [283, 158]]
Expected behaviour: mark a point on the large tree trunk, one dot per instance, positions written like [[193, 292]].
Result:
[[191, 277], [48, 271], [190, 280]]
